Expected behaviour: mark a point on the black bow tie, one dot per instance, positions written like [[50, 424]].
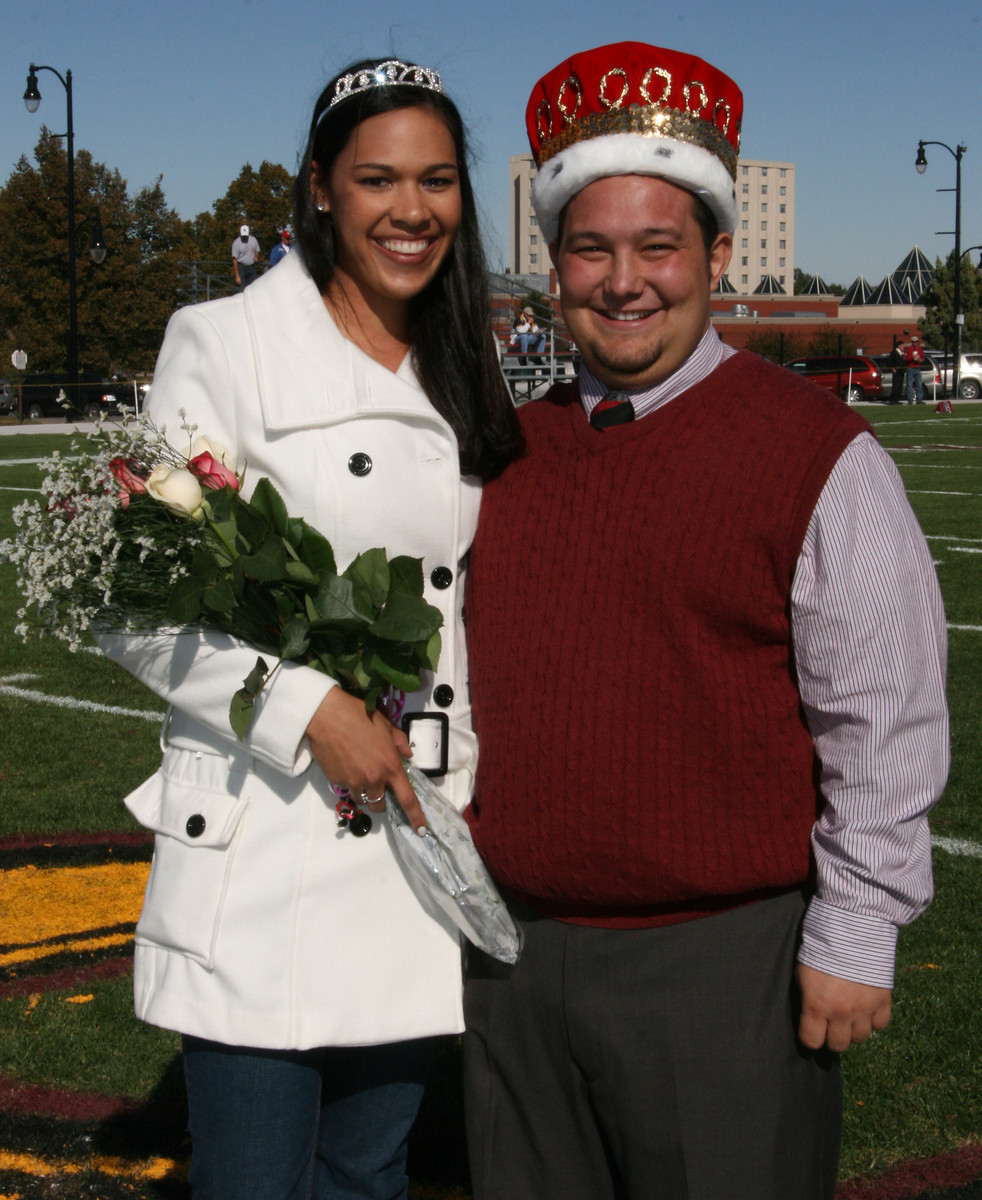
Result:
[[614, 409]]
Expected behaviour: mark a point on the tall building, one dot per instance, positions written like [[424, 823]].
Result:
[[763, 244], [527, 253]]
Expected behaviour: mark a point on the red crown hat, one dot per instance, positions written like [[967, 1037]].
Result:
[[634, 109]]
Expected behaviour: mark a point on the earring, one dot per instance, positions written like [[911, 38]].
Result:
[[320, 207]]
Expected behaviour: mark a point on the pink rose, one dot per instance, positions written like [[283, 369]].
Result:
[[212, 464], [130, 484]]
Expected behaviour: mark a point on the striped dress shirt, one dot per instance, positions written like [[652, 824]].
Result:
[[870, 646]]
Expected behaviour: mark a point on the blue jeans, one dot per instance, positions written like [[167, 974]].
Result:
[[525, 342], [915, 384], [328, 1124]]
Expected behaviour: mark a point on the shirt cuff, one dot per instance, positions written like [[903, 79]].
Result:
[[848, 945], [284, 709]]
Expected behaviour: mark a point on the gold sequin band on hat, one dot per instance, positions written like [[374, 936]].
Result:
[[387, 74], [650, 122]]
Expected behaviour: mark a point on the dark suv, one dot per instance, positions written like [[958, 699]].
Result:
[[853, 377], [49, 396]]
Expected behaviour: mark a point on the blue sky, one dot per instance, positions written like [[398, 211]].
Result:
[[192, 89]]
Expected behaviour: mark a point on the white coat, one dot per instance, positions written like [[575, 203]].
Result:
[[271, 927]]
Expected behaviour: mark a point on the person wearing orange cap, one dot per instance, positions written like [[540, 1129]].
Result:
[[707, 653]]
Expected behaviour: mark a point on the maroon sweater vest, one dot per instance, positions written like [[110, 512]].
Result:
[[643, 754]]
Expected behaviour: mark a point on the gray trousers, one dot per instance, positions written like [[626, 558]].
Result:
[[651, 1064]]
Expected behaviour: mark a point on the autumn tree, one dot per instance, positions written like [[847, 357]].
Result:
[[123, 303], [937, 326]]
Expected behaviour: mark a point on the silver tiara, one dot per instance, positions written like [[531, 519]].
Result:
[[385, 75]]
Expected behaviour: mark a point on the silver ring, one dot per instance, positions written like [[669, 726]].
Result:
[[366, 799]]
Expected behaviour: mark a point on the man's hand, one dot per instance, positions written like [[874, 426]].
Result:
[[836, 1012], [362, 753]]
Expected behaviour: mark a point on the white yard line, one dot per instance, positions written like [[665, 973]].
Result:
[[36, 697], [958, 846], [966, 628]]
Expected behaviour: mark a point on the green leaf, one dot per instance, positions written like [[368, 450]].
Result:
[[299, 572], [338, 604], [267, 501], [406, 575], [394, 667], [295, 638], [268, 563], [369, 573], [316, 551], [407, 619], [430, 657], [220, 597], [185, 600], [241, 709], [251, 527]]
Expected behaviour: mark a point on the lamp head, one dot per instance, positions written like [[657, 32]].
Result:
[[921, 161], [32, 97], [97, 244]]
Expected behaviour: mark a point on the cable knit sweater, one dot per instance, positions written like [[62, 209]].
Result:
[[643, 755]]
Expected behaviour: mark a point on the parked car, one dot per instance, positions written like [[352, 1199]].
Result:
[[853, 377], [930, 374], [970, 377], [49, 396], [969, 373]]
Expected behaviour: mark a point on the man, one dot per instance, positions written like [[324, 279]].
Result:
[[914, 361], [700, 615], [281, 249], [245, 253]]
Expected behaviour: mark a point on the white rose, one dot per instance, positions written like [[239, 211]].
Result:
[[176, 488], [218, 452]]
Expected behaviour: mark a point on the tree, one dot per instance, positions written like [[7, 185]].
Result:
[[775, 344], [261, 199], [123, 303], [937, 326]]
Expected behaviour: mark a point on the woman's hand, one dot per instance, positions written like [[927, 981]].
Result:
[[362, 753]]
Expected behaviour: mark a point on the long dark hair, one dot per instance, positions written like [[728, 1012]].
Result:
[[453, 349]]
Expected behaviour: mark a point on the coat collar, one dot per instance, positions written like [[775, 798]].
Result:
[[307, 372]]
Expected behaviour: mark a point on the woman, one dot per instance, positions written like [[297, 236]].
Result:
[[362, 379]]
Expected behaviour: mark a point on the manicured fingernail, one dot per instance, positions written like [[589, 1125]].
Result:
[[422, 831]]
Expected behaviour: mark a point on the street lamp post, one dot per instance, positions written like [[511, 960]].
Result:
[[921, 165], [97, 247]]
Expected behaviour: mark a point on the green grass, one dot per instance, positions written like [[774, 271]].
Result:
[[913, 1091]]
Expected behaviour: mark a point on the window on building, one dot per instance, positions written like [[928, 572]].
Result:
[[533, 258], [745, 188], [781, 225], [745, 170], [763, 226], [744, 261], [763, 189], [744, 243], [744, 280], [783, 172], [780, 263], [533, 239], [780, 280], [763, 170], [744, 224], [763, 261], [533, 219], [782, 208], [763, 207], [782, 244], [745, 207], [784, 191], [763, 243]]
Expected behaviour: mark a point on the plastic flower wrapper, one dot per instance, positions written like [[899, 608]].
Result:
[[444, 864]]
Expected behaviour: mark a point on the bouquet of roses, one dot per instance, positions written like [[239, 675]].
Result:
[[135, 536]]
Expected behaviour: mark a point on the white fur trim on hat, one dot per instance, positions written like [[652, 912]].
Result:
[[691, 167]]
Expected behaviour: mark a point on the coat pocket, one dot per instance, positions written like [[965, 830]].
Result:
[[195, 825]]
